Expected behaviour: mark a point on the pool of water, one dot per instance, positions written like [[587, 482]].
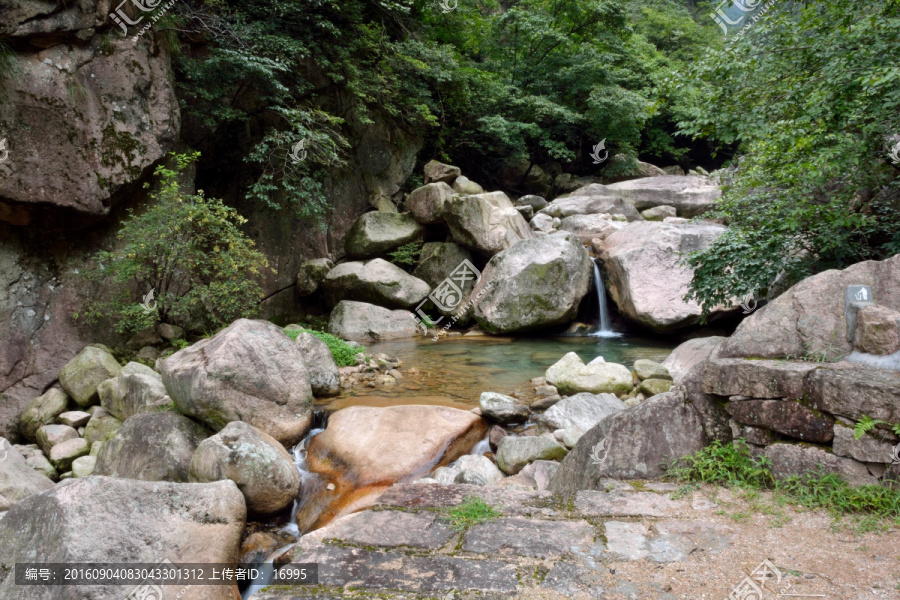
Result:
[[453, 371]]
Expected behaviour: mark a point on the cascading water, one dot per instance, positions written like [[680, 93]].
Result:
[[604, 330], [309, 483]]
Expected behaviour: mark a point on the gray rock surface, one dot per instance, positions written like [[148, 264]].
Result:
[[260, 466], [43, 410], [581, 410], [515, 452], [691, 196], [81, 376], [536, 283], [428, 204], [246, 372], [486, 223], [376, 281], [502, 409], [369, 323], [376, 233], [135, 389], [324, 376], [151, 447]]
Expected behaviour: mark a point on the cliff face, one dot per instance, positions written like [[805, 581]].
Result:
[[86, 115]]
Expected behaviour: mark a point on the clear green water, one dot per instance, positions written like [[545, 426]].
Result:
[[453, 371]]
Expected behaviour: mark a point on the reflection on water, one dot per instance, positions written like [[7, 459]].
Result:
[[453, 371]]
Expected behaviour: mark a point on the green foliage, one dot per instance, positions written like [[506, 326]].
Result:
[[731, 464], [189, 251], [811, 97], [344, 354], [407, 255], [473, 510], [867, 424]]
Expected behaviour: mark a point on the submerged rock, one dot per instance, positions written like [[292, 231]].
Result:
[[151, 447], [255, 461], [246, 372], [536, 283], [92, 519]]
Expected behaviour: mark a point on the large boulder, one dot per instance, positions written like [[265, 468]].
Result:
[[581, 410], [514, 453], [43, 410], [853, 391], [364, 450], [324, 376], [646, 278], [810, 318], [18, 480], [108, 124], [255, 461], [591, 201], [136, 389], [82, 375], [756, 378], [369, 323], [440, 172], [690, 353], [591, 227], [691, 196], [632, 444], [536, 283], [487, 223], [789, 418], [571, 376], [40, 20], [428, 203], [151, 447], [438, 260], [376, 281], [376, 233], [311, 274], [250, 371], [93, 520]]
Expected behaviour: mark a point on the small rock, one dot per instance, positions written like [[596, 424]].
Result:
[[87, 370], [648, 369], [51, 435], [63, 454], [74, 418], [514, 453], [43, 410], [545, 402], [502, 409], [101, 427], [542, 391], [148, 353], [571, 435], [170, 332], [83, 466], [652, 387], [496, 434]]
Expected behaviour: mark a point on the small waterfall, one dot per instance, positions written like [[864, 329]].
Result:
[[605, 330], [481, 447], [309, 482]]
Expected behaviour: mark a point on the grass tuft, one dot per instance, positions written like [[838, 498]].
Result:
[[342, 352], [471, 511]]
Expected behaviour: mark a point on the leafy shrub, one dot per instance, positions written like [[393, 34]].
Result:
[[406, 255], [184, 252], [343, 353]]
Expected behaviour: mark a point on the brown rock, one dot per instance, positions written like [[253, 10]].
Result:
[[787, 417], [496, 434], [878, 330]]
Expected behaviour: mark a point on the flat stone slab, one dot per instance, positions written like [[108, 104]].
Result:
[[339, 567], [590, 503], [666, 541], [510, 502], [528, 537], [391, 528]]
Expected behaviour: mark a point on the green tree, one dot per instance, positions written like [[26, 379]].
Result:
[[189, 251], [812, 96]]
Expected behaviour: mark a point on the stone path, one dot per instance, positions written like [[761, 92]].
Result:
[[628, 542]]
